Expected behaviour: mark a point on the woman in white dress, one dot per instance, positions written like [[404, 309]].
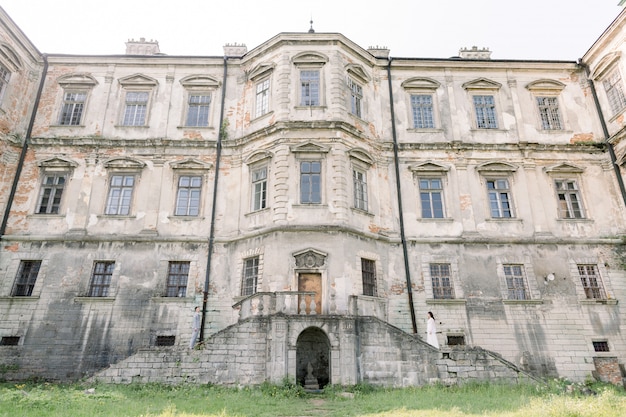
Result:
[[431, 331]]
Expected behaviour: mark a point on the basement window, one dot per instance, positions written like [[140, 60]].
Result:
[[456, 340], [165, 341], [9, 340], [601, 346]]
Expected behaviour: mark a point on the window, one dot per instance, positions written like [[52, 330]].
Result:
[[422, 110], [73, 106], [198, 110], [456, 340], [359, 180], [592, 284], [499, 198], [310, 182], [165, 341], [188, 195], [600, 346], [262, 97], [615, 91], [52, 187], [120, 193], [442, 281], [549, 113], [485, 107], [356, 97], [259, 188], [136, 108], [368, 274], [101, 278], [250, 276], [9, 341], [515, 282], [177, 275], [310, 88], [26, 277], [431, 198], [5, 76], [570, 206]]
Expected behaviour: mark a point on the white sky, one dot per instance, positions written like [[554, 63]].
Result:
[[529, 29]]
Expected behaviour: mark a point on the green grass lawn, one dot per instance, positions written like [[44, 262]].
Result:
[[154, 400]]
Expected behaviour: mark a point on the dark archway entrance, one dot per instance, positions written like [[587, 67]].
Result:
[[313, 347]]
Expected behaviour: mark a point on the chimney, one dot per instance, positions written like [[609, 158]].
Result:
[[379, 51], [142, 47], [475, 53], [234, 50]]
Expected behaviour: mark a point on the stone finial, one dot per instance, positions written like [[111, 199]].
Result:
[[474, 53], [235, 50], [379, 51], [142, 47]]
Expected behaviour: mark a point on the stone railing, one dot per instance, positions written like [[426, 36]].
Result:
[[269, 303], [362, 305]]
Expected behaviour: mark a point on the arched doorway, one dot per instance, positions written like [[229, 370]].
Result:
[[313, 347]]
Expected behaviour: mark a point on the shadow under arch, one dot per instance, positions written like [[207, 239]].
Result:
[[313, 346]]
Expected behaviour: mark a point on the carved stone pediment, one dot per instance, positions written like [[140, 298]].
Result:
[[496, 167], [309, 147], [200, 82], [311, 58], [57, 163], [428, 166], [138, 80], [482, 84], [564, 168], [310, 258], [124, 164], [192, 164]]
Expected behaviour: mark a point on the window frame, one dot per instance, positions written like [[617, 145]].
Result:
[[430, 192], [549, 113], [136, 105], [309, 61], [564, 196], [250, 275], [102, 288], [311, 185], [355, 91], [177, 281], [199, 116], [457, 289], [5, 79], [262, 93], [422, 114], [485, 114], [590, 291], [26, 278], [52, 193], [133, 85], [613, 85], [484, 88], [516, 283], [198, 85], [191, 188], [440, 291], [497, 193], [109, 207], [259, 187], [73, 107], [422, 87], [368, 277]]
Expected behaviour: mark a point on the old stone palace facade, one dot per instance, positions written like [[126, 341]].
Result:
[[316, 199]]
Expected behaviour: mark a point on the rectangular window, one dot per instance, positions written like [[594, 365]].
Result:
[[356, 97], [177, 275], [310, 182], [515, 282], [101, 278], [359, 180], [259, 189], [188, 195], [549, 113], [165, 341], [5, 76], [136, 108], [615, 91], [592, 284], [570, 206], [250, 276], [52, 187], [73, 106], [9, 341], [442, 281], [368, 274], [600, 346], [120, 193], [431, 197], [26, 278], [499, 198], [198, 106], [422, 109], [485, 107], [310, 88], [262, 98]]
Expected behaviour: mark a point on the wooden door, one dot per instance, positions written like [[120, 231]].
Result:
[[310, 282]]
